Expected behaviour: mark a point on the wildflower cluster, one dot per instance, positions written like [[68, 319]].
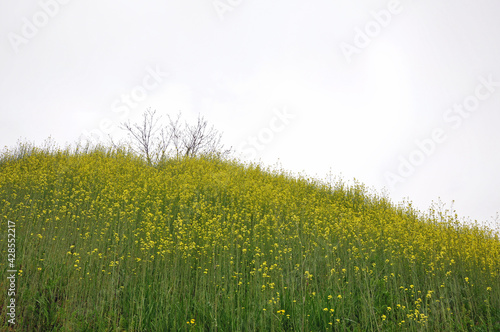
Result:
[[209, 244]]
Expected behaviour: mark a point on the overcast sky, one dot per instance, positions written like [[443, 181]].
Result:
[[403, 96]]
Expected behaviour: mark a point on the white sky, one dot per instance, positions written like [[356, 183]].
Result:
[[354, 109]]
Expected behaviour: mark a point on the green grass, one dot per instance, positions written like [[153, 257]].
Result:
[[105, 242]]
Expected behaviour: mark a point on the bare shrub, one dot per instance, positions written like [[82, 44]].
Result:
[[157, 142]]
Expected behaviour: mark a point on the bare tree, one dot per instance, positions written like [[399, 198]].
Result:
[[157, 143], [199, 138], [143, 135]]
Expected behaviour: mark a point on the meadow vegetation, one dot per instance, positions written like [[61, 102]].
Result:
[[108, 242]]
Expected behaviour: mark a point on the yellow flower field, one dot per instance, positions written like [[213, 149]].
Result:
[[106, 242]]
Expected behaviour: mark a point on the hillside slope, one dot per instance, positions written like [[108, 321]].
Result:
[[106, 242]]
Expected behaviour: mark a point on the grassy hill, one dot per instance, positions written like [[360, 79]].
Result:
[[105, 242]]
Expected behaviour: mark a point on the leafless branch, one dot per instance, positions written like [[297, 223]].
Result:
[[154, 143]]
